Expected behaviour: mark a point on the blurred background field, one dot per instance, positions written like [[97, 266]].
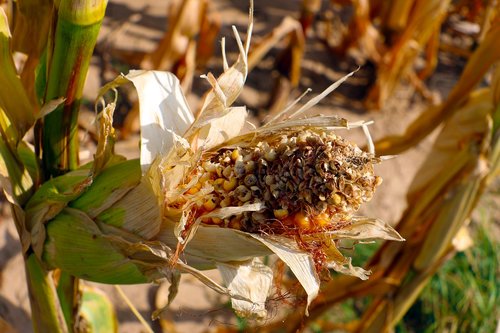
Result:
[[418, 63]]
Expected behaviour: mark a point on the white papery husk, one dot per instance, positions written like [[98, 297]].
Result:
[[172, 141]]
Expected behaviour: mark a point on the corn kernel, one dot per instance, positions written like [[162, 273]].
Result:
[[270, 155], [225, 202], [235, 154], [210, 204], [195, 189], [235, 223], [243, 193], [337, 199], [229, 185], [216, 220], [280, 213], [227, 172], [302, 221], [218, 183], [192, 190], [322, 220]]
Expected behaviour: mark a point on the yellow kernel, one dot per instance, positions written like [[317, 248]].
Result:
[[196, 187], [235, 154], [225, 202], [216, 220], [322, 220], [218, 183], [280, 213], [204, 178], [206, 220], [235, 223], [229, 185], [337, 199], [192, 190], [302, 221], [210, 204]]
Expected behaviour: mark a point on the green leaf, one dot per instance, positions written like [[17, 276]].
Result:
[[97, 311]]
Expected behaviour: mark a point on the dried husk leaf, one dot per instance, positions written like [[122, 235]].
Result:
[[211, 245], [365, 228], [221, 129], [300, 262], [228, 86], [252, 280], [165, 114]]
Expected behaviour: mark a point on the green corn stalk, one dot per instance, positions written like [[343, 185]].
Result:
[[68, 58], [57, 60]]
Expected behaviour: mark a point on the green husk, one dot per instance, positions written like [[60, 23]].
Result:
[[76, 245]]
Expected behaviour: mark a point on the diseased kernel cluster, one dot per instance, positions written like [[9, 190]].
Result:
[[307, 180]]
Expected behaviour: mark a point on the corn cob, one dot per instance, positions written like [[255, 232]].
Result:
[[308, 181]]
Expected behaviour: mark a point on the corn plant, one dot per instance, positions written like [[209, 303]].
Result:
[[203, 193], [394, 34]]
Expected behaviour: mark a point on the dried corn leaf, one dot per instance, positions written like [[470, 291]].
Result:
[[292, 29], [426, 17], [481, 60], [469, 122]]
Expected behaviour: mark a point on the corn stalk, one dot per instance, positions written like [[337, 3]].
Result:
[[58, 40]]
